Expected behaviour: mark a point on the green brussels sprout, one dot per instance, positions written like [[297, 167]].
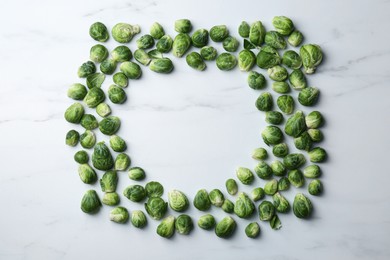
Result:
[[216, 197], [246, 60], [280, 150], [123, 32], [94, 97], [252, 230], [77, 91], [154, 189], [286, 104], [271, 187], [110, 125], [283, 25], [311, 55], [202, 201], [111, 199], [226, 61], [138, 219], [259, 154], [142, 57], [263, 170], [131, 70], [243, 29], [200, 38], [135, 193], [277, 73], [103, 110], [317, 155], [90, 203], [230, 44], [275, 222], [226, 227], [74, 113], [206, 222], [315, 135], [156, 207], [297, 80], [120, 79], [249, 46], [244, 206], [98, 53], [264, 102], [257, 194], [256, 80], [314, 119], [295, 124], [145, 42], [245, 175], [281, 87], [231, 186], [109, 181], [278, 168], [283, 184], [86, 69], [292, 60], [95, 80], [274, 39], [303, 142], [119, 215], [312, 171], [257, 33], [163, 65], [218, 33], [195, 61], [87, 139], [178, 200], [281, 203], [116, 94], [87, 174], [308, 96], [272, 135], [184, 224], [122, 162], [274, 117], [294, 160], [183, 26], [296, 178], [165, 43], [295, 38], [268, 57], [167, 227], [102, 158], [181, 44], [136, 173], [98, 32], [315, 187], [227, 206], [266, 210], [155, 54], [72, 138], [81, 157], [89, 122], [157, 31], [302, 206], [121, 53], [208, 53]]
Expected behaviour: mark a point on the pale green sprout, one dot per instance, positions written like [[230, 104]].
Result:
[[109, 125], [120, 79], [89, 122], [95, 80], [226, 61], [183, 26], [102, 158], [165, 43], [184, 224], [90, 203], [283, 25], [116, 94], [109, 181], [195, 61], [98, 31], [131, 70], [163, 65], [271, 187], [277, 73], [281, 87], [178, 200], [121, 53], [142, 57], [103, 110], [135, 193], [315, 135], [315, 187], [272, 135], [292, 60], [216, 197], [257, 33], [86, 69], [275, 223], [246, 60], [117, 144], [87, 139], [314, 120], [294, 161], [259, 154], [181, 44], [167, 227], [200, 38], [218, 33], [228, 206], [312, 171], [154, 189], [295, 124], [308, 96], [231, 186], [278, 168], [201, 200], [122, 162], [296, 178], [111, 199], [263, 170], [302, 206], [138, 219], [274, 39], [317, 155], [145, 42], [243, 29], [295, 38], [108, 66], [98, 53], [283, 184], [274, 117], [156, 207], [311, 55], [264, 102], [136, 174], [119, 215], [266, 210], [286, 104], [257, 194], [94, 97], [230, 44], [280, 150], [303, 142], [208, 53], [297, 80], [123, 32], [268, 57], [252, 230], [77, 91], [256, 80], [206, 222], [157, 31], [72, 138], [245, 175], [74, 113], [81, 157], [244, 206], [226, 227], [87, 174], [281, 203]]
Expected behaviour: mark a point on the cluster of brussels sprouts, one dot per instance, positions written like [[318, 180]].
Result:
[[284, 70]]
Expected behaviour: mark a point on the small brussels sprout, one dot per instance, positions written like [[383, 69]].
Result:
[[308, 96], [95, 80], [163, 65], [164, 45], [206, 222], [178, 200], [315, 187], [257, 33], [218, 33], [252, 230], [167, 227], [256, 80], [122, 162], [156, 207], [244, 206], [120, 79], [184, 224], [87, 174], [155, 54], [283, 184], [292, 60], [278, 168], [136, 174], [286, 104], [102, 158], [202, 201], [98, 32], [89, 122], [183, 26], [311, 55], [157, 31], [77, 91], [208, 53], [195, 61], [110, 125], [303, 142], [257, 194], [142, 57], [216, 197], [277, 73], [74, 113], [145, 42], [245, 175], [295, 38], [94, 97], [317, 155], [86, 69], [230, 44], [227, 206], [283, 25], [81, 157], [281, 87], [123, 32], [275, 223], [72, 138], [302, 206], [264, 102], [226, 227], [116, 94], [272, 135], [274, 117], [226, 61], [315, 135], [268, 57], [103, 110], [259, 154], [200, 38], [231, 186], [90, 203], [181, 44], [246, 60], [314, 119], [135, 193], [243, 29], [119, 215], [312, 171], [117, 144], [154, 189], [281, 203], [98, 53], [121, 53], [111, 199], [295, 124], [263, 170], [138, 219], [297, 80], [87, 139], [271, 187], [131, 70], [296, 178], [266, 210], [109, 181], [294, 160], [280, 150], [274, 39]]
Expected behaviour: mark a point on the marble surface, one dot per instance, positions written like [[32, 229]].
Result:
[[190, 130]]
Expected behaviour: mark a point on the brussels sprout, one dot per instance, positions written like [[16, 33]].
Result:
[[230, 44], [315, 187], [155, 54], [302, 206], [195, 61], [119, 215], [121, 53], [167, 227], [245, 175], [216, 197], [98, 53], [286, 104], [259, 154], [94, 97], [275, 222], [111, 199], [243, 29], [303, 142], [74, 113], [208, 53], [263, 170], [314, 119], [226, 61], [109, 181], [257, 194], [178, 200], [296, 178], [256, 80], [297, 80], [281, 203], [268, 57], [136, 173], [218, 33], [315, 135], [225, 228], [294, 161], [87, 139], [122, 162], [283, 184], [95, 80], [72, 138], [110, 125], [156, 207], [249, 46], [264, 102], [135, 193], [277, 73], [89, 122], [266, 210], [308, 96], [87, 174], [252, 230], [183, 26], [274, 39], [292, 60], [202, 201], [206, 222], [154, 189], [90, 203], [138, 219], [295, 38], [317, 155], [156, 31], [131, 70], [98, 32], [311, 55], [200, 38], [103, 110], [181, 44], [272, 135], [77, 91], [231, 186], [246, 60], [142, 57], [278, 168], [227, 206], [312, 171], [257, 33], [164, 45], [280, 150], [116, 94], [273, 117], [123, 32], [295, 124], [145, 42], [271, 187], [283, 25], [102, 158], [184, 224], [86, 69], [81, 157], [281, 87], [120, 79], [163, 65], [244, 206]]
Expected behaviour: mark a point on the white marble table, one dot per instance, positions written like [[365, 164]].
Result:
[[190, 130]]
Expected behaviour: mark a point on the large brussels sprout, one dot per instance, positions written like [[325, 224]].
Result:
[[120, 79], [315, 135], [295, 38], [274, 39], [102, 158], [156, 31], [167, 227], [317, 155], [122, 162], [109, 181], [281, 203], [226, 61], [296, 178], [228, 206], [154, 189], [230, 44], [184, 224], [163, 65], [86, 69], [218, 33], [206, 222], [94, 97], [136, 173], [165, 43], [225, 228], [202, 201], [89, 122], [257, 33], [135, 193], [308, 96], [272, 135], [311, 55], [72, 138], [252, 230], [314, 119], [302, 206], [268, 57], [81, 157], [103, 110], [181, 44], [295, 124], [277, 73], [216, 197], [110, 125], [111, 199], [145, 42], [315, 187], [121, 53], [208, 53], [178, 200], [87, 174], [200, 38], [142, 57], [131, 70], [156, 207], [283, 184], [274, 117], [292, 60], [263, 170], [119, 215], [312, 171], [138, 219], [244, 206], [294, 160], [280, 150], [95, 80], [271, 187], [256, 80], [77, 91], [243, 29], [90, 203], [231, 186], [266, 210], [123, 32], [98, 32], [303, 142], [297, 79], [98, 53], [195, 61], [183, 26], [87, 139], [246, 60], [245, 175], [286, 104], [283, 25], [74, 113], [264, 102], [259, 154], [257, 194], [281, 87], [116, 94], [278, 168]]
